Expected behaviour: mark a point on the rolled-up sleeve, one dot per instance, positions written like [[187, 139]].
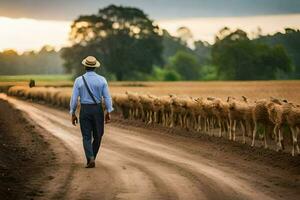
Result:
[[107, 98], [74, 98]]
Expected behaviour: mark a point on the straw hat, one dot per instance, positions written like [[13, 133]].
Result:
[[91, 61]]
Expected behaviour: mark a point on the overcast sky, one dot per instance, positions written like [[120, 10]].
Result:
[[157, 9]]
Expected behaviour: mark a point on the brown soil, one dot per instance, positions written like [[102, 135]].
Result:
[[27, 160]]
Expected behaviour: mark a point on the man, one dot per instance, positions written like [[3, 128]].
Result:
[[91, 87]]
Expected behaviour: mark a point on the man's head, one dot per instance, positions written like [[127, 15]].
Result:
[[90, 63]]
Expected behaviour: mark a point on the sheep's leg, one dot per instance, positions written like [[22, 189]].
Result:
[[234, 129], [295, 131], [230, 129], [265, 138], [220, 125], [130, 113], [212, 122], [146, 116], [199, 124], [243, 131], [149, 121], [207, 125], [293, 138], [277, 139], [187, 121], [155, 113], [254, 133], [223, 125], [184, 121], [280, 138], [167, 118], [172, 119], [296, 136]]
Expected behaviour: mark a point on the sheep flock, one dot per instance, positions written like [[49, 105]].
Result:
[[271, 119]]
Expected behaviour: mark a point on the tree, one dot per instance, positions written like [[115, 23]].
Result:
[[290, 40], [46, 61], [185, 35], [186, 65], [123, 38], [239, 58]]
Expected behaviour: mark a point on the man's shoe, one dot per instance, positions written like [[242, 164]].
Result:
[[91, 164]]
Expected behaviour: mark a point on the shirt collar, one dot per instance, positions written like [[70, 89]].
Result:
[[90, 73]]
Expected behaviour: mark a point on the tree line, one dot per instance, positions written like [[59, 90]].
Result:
[[45, 61], [131, 46]]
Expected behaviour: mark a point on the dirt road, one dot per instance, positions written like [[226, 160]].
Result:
[[136, 163]]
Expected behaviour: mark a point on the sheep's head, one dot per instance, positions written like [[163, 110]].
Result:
[[245, 99], [275, 100], [199, 99], [211, 98], [232, 105], [229, 98]]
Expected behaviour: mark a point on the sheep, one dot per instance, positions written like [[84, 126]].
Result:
[[220, 110], [239, 112], [260, 115], [178, 108], [121, 104], [192, 114], [134, 105], [293, 121], [162, 109], [148, 107], [278, 111], [204, 110]]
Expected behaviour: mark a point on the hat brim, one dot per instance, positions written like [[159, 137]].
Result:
[[86, 65]]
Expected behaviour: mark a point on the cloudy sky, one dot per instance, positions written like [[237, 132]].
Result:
[[28, 24]]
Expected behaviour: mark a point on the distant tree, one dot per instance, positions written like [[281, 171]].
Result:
[[46, 61], [185, 35], [202, 51], [124, 39], [172, 45], [290, 40], [237, 57], [186, 65]]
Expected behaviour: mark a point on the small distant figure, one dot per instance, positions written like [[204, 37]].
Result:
[[31, 83]]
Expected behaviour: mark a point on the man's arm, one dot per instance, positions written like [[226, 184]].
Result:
[[107, 98], [73, 102], [108, 102]]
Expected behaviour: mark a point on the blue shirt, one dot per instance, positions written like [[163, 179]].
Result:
[[99, 88]]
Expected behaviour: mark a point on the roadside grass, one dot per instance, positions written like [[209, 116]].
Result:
[[42, 77], [59, 80]]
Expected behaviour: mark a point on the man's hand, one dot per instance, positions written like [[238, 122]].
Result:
[[74, 120], [107, 118]]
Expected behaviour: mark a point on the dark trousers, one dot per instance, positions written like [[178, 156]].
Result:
[[91, 120]]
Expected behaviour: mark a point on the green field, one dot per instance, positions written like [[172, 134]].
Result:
[[46, 78]]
